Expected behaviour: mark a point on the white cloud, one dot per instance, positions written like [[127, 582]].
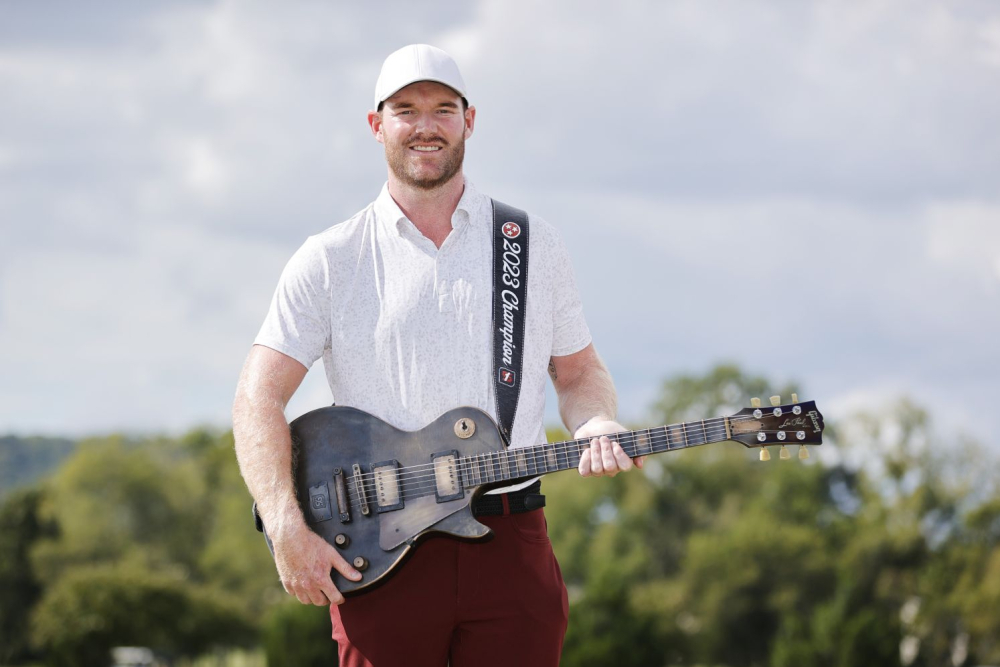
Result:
[[966, 237], [149, 335]]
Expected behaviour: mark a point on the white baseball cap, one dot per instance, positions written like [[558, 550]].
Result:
[[417, 62]]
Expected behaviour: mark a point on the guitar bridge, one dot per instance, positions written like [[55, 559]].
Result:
[[359, 485], [340, 491]]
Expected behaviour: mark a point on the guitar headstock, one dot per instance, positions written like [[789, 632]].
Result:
[[792, 424]]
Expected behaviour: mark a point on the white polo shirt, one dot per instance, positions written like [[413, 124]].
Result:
[[404, 328]]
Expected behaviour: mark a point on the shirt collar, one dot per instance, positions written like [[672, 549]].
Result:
[[388, 211]]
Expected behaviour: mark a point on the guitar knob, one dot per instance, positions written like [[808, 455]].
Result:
[[342, 540], [764, 454], [776, 401], [795, 398], [360, 564], [783, 454], [803, 452], [754, 402]]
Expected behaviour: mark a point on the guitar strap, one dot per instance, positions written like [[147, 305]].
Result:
[[510, 289]]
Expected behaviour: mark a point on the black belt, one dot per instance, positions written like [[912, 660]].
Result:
[[525, 500]]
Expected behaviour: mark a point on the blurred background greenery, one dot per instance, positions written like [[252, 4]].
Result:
[[882, 549]]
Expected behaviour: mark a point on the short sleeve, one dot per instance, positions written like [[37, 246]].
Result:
[[570, 332], [298, 321]]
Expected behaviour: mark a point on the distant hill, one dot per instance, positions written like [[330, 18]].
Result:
[[24, 461]]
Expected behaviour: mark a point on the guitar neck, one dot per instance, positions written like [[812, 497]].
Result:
[[521, 462]]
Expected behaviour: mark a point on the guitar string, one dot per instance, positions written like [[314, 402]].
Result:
[[623, 436], [413, 474], [411, 481], [717, 428], [713, 423]]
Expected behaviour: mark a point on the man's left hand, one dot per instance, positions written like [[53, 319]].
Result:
[[605, 456]]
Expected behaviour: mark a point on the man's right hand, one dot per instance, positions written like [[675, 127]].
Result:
[[304, 560]]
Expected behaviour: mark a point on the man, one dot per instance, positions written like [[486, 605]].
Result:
[[397, 300]]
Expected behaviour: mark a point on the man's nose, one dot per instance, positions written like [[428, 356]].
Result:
[[426, 121]]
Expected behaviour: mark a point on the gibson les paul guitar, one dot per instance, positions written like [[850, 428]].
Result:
[[375, 492]]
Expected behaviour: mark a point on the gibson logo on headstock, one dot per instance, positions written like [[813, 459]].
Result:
[[815, 421]]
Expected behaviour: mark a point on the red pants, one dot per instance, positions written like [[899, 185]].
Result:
[[501, 602]]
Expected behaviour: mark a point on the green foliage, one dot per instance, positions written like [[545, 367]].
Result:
[[297, 635], [20, 527], [160, 526], [724, 390], [93, 609], [114, 500]]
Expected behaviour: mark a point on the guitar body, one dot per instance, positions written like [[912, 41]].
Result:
[[359, 453]]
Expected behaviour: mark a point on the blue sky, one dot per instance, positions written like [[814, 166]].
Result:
[[810, 189]]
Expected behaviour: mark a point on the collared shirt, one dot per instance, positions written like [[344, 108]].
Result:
[[405, 328]]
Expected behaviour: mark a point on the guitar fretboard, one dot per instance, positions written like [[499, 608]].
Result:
[[521, 462]]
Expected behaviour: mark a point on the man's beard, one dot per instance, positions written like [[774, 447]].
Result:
[[398, 159]]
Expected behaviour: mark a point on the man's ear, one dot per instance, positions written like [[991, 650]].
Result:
[[470, 121], [375, 125]]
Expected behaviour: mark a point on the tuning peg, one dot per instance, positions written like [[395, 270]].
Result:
[[754, 402], [764, 454], [783, 454], [803, 452], [795, 398], [776, 401]]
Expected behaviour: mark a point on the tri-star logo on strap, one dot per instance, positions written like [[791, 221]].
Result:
[[507, 377], [511, 230]]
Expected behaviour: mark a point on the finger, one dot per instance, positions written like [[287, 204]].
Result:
[[300, 594], [317, 598], [341, 565], [329, 589], [640, 462], [584, 466], [608, 457], [596, 464], [621, 458]]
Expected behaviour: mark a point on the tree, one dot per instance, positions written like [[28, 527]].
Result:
[[117, 500], [90, 610], [20, 527]]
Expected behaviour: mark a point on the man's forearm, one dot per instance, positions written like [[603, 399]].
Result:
[[264, 450], [591, 394]]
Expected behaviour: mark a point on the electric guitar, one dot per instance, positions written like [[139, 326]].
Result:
[[375, 492]]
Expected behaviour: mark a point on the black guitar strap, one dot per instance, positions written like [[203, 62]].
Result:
[[510, 289]]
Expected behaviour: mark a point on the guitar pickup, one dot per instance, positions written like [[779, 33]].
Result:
[[388, 487], [447, 480]]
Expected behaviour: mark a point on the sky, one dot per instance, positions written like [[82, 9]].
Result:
[[809, 189]]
